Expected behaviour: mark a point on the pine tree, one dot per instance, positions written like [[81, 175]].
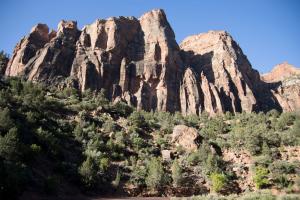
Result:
[[176, 174]]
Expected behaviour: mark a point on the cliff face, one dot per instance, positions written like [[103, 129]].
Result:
[[284, 83], [223, 73], [138, 61]]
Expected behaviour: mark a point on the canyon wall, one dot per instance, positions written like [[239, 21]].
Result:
[[138, 61]]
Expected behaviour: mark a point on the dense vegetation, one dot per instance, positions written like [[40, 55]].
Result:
[[52, 140], [4, 58]]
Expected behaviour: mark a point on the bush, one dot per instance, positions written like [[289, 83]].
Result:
[[122, 109], [104, 164], [138, 175], [136, 119], [282, 167], [110, 126], [219, 181], [281, 180], [261, 177], [286, 119]]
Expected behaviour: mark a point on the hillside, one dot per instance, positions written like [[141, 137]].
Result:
[[61, 143]]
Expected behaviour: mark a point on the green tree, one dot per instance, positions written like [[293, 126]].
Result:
[[219, 181], [261, 177], [155, 175], [3, 62], [5, 120], [88, 172], [9, 145], [177, 175], [138, 175]]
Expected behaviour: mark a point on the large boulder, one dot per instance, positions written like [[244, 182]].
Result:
[[186, 137]]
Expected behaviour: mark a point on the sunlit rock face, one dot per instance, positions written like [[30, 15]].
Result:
[[223, 72], [284, 83], [138, 61]]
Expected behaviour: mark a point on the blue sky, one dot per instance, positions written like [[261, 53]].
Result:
[[268, 31]]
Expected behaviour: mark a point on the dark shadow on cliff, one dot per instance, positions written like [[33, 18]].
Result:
[[267, 100], [200, 63]]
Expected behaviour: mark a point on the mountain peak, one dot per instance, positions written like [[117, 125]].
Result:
[[280, 72]]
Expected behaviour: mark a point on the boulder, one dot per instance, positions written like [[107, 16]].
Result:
[[186, 137]]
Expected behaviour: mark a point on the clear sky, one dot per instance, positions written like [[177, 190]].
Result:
[[268, 31]]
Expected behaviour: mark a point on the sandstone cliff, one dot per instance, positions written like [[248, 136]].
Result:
[[223, 73], [284, 83], [138, 61]]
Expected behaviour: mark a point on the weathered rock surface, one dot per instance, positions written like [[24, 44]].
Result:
[[223, 72], [284, 83], [281, 72], [185, 137], [139, 61]]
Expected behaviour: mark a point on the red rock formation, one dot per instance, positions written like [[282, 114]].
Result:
[[224, 65], [281, 72], [138, 61], [284, 83]]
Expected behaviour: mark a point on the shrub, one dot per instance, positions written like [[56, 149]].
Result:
[[137, 119], [282, 167], [286, 119], [214, 127], [138, 175], [281, 180], [122, 109], [193, 158], [261, 177], [137, 141], [273, 113], [36, 149], [104, 164], [109, 126], [219, 181], [212, 164]]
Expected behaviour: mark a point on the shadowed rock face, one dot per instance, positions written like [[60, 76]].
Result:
[[139, 61]]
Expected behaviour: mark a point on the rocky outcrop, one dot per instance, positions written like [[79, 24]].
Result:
[[186, 137], [138, 61], [43, 56]]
